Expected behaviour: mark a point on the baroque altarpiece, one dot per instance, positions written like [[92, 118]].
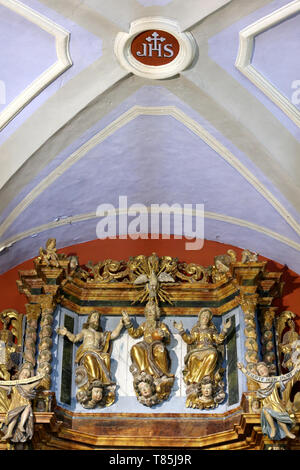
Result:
[[150, 352]]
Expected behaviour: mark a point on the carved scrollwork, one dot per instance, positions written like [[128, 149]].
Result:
[[249, 257], [10, 342], [193, 272], [150, 273], [112, 270]]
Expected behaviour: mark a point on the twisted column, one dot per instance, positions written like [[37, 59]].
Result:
[[33, 312], [248, 304], [267, 337], [45, 345]]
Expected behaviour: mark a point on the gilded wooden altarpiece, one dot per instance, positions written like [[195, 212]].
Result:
[[217, 411]]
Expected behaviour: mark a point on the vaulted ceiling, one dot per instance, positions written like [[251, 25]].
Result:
[[78, 130]]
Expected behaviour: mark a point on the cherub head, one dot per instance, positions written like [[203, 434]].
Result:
[[206, 388], [144, 386], [92, 396], [97, 393], [145, 389]]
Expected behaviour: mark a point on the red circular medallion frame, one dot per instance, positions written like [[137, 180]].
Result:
[[170, 41]]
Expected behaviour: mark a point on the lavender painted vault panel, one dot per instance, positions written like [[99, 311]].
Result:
[[145, 160], [225, 57], [131, 160], [26, 52], [149, 96], [85, 48], [276, 55]]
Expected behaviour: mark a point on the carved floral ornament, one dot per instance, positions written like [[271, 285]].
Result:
[[166, 280], [155, 48]]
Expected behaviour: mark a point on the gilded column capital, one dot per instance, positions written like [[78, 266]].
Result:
[[248, 303], [47, 303], [33, 311]]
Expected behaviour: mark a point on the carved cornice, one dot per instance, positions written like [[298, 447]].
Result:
[[110, 286]]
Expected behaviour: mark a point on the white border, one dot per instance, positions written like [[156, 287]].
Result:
[[62, 38], [243, 60], [187, 48]]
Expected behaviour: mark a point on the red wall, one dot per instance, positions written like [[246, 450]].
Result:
[[122, 249]]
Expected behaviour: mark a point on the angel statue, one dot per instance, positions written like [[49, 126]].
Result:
[[276, 421], [289, 338], [95, 387], [222, 264], [150, 358], [9, 351], [19, 421], [202, 360]]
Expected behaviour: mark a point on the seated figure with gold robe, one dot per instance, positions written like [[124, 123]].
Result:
[[202, 358], [150, 357], [93, 359]]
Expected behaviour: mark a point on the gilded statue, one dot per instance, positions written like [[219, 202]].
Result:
[[202, 360], [9, 350], [221, 267], [16, 403], [49, 256], [274, 393], [289, 338], [152, 285], [154, 274], [249, 257], [95, 387], [150, 358]]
